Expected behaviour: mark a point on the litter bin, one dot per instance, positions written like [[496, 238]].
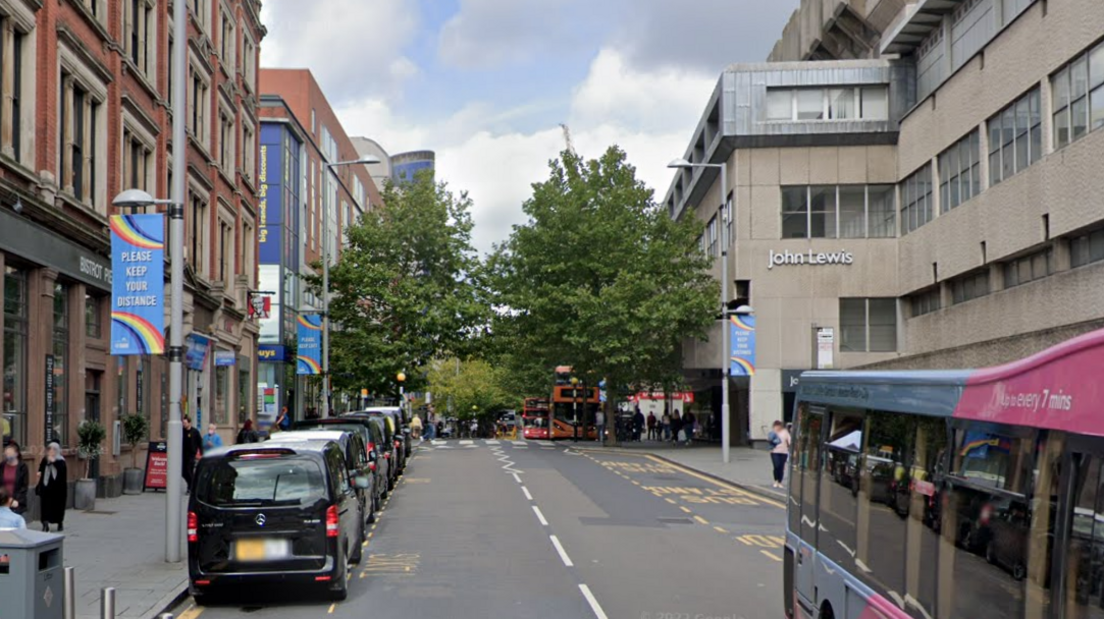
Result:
[[32, 583]]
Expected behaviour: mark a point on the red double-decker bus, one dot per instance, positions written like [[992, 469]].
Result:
[[534, 418], [574, 407]]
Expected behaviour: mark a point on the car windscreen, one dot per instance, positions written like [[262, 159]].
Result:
[[244, 482]]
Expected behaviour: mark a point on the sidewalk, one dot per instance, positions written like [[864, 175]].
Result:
[[122, 544], [748, 468]]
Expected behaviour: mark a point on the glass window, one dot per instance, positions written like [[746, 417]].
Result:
[[852, 325], [1079, 97], [1015, 138], [852, 211], [840, 486], [221, 415], [60, 429], [1029, 268], [245, 385], [1096, 109], [841, 104], [142, 387], [957, 167], [1096, 66], [1084, 564], [810, 104], [808, 461], [292, 480], [883, 325], [885, 500], [927, 469], [875, 103], [1087, 248], [882, 211], [822, 212], [916, 199], [779, 104], [14, 406], [93, 316], [795, 212], [970, 286], [926, 302]]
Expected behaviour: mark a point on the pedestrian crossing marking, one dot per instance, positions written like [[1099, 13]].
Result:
[[762, 541], [466, 442], [518, 443], [492, 441]]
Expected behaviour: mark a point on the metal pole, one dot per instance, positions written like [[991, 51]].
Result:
[[69, 594], [107, 603], [726, 421], [176, 310], [326, 299]]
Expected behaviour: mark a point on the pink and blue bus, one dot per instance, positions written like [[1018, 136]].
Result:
[[974, 494]]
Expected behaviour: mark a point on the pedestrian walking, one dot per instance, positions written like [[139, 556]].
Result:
[[473, 428], [638, 425], [600, 421], [51, 487], [666, 423], [779, 438], [247, 434], [14, 477], [211, 440], [688, 426], [676, 426], [653, 432], [8, 518], [416, 427], [192, 443]]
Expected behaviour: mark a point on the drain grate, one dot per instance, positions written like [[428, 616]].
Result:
[[675, 520]]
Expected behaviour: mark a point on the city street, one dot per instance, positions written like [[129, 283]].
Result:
[[526, 529]]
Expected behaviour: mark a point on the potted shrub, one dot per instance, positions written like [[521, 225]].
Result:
[[135, 430], [90, 438]]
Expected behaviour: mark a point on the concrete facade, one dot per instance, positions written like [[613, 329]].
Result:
[[998, 263]]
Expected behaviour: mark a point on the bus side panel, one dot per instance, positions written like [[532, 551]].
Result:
[[850, 598]]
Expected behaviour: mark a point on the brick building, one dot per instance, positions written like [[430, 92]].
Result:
[[300, 134], [85, 115]]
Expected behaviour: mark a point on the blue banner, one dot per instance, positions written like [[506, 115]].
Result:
[[742, 355], [271, 353], [309, 359], [269, 196], [195, 357], [225, 358], [138, 288]]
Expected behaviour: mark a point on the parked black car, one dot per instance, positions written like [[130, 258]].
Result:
[[263, 514], [400, 434], [358, 460], [373, 441]]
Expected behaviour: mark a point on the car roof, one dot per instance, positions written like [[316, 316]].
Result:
[[333, 435], [392, 410], [310, 446]]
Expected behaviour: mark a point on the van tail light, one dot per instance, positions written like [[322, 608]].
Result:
[[193, 527], [202, 583], [331, 521]]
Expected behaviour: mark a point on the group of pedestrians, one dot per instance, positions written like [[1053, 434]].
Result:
[[50, 488], [672, 427]]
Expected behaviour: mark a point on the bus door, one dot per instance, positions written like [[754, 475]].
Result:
[[1078, 568], [804, 488]]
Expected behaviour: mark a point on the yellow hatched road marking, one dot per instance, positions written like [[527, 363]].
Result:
[[721, 530], [735, 489], [771, 555], [685, 509], [762, 541], [701, 520]]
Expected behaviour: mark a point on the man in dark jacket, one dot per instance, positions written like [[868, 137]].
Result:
[[638, 424], [192, 443]]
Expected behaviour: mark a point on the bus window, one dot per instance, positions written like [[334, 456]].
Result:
[[884, 502], [797, 448], [840, 485], [1084, 566], [810, 473], [987, 515], [927, 468]]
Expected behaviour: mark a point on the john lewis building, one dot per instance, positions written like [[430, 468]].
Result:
[[913, 185]]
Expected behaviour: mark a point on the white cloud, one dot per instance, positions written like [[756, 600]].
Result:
[[353, 47], [649, 115]]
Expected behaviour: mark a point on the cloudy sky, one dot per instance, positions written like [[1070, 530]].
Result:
[[486, 83]]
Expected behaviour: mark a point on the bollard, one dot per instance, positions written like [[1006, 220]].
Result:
[[107, 603], [69, 604]]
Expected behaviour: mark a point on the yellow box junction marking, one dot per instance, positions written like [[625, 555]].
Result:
[[398, 564]]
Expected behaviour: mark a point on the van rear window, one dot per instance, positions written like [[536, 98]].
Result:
[[268, 481]]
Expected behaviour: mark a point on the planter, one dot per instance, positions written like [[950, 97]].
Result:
[[86, 495], [133, 481]]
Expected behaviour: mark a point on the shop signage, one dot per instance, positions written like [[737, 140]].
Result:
[[309, 359], [50, 399], [814, 258], [742, 340], [157, 466], [21, 237], [825, 347], [224, 358], [271, 353], [269, 202], [138, 293], [791, 380], [678, 396]]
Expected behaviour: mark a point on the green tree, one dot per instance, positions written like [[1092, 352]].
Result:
[[473, 386], [402, 290], [601, 278]]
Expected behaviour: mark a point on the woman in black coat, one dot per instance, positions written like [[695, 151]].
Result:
[[52, 488], [14, 475]]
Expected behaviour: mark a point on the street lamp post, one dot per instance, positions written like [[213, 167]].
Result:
[[574, 409], [401, 377], [366, 160], [726, 422]]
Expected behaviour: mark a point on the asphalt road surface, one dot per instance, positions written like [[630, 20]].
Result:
[[529, 530]]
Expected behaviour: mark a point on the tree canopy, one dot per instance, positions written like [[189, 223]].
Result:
[[600, 277], [473, 387], [403, 290]]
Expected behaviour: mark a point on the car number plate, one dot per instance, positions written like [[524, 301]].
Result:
[[260, 549]]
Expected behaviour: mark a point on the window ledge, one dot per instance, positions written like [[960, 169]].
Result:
[[200, 147], [80, 205], [226, 177], [20, 170], [140, 77], [92, 20]]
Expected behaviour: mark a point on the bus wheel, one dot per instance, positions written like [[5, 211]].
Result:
[[826, 611]]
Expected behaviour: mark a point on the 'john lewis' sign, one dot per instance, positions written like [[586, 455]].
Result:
[[814, 258]]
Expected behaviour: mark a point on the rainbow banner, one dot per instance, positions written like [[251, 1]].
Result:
[[138, 286], [742, 339], [309, 360]]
